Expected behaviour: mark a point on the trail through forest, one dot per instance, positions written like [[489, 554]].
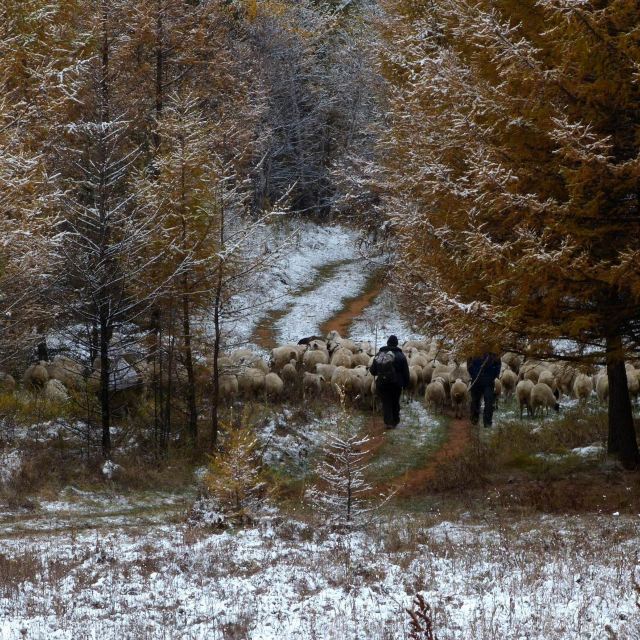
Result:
[[408, 460], [303, 315]]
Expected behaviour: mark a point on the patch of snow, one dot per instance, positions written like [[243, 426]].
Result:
[[314, 307], [380, 320], [483, 582], [10, 464], [110, 468], [307, 247], [593, 451]]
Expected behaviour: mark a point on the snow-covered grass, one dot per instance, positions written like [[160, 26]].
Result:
[[536, 579]]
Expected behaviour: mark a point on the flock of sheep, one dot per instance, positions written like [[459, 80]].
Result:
[[340, 366]]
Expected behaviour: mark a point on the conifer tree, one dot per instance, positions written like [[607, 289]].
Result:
[[341, 492], [514, 173]]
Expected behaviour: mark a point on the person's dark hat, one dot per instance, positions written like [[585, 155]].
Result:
[[392, 341]]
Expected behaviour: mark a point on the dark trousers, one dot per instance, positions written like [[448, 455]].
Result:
[[478, 392], [390, 398]]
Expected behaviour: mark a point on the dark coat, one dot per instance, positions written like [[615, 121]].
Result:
[[484, 369], [400, 364]]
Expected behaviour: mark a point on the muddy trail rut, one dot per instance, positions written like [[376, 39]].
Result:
[[265, 334], [424, 475], [353, 307]]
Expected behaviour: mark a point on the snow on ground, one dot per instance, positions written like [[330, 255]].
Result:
[[312, 308], [10, 463], [533, 579], [509, 410], [308, 248], [75, 509], [380, 320], [291, 445]]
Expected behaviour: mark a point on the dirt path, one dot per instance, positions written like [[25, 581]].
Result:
[[416, 481], [353, 307], [264, 335], [458, 439]]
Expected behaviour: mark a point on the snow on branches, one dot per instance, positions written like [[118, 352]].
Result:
[[341, 491]]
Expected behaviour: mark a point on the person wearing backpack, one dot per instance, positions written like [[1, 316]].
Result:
[[391, 370], [483, 370]]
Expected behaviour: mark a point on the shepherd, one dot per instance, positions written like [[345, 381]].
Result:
[[391, 369], [483, 369]]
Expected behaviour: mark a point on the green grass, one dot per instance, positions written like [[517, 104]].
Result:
[[408, 447]]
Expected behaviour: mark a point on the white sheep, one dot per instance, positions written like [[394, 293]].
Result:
[[542, 397], [228, 385], [7, 383], [311, 384], [259, 363], [565, 375], [36, 376], [420, 345], [360, 359], [523, 394], [582, 387], [334, 340], [497, 391], [367, 348], [415, 376], [313, 357], [251, 382], [509, 380], [325, 370], [435, 394], [345, 381], [350, 344], [241, 356], [459, 371], [417, 358], [547, 377], [427, 372], [459, 396], [531, 370], [273, 385], [602, 387], [341, 358], [443, 371], [55, 391], [289, 373], [512, 360], [283, 355]]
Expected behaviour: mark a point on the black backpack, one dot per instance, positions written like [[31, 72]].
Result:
[[386, 367]]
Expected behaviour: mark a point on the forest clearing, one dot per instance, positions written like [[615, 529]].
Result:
[[319, 320]]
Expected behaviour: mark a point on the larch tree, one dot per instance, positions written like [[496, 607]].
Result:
[[105, 271], [513, 174], [37, 90], [181, 185]]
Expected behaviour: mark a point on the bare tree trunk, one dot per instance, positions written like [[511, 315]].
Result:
[[105, 409], [215, 400], [159, 71], [622, 436], [217, 303], [167, 412], [188, 361]]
